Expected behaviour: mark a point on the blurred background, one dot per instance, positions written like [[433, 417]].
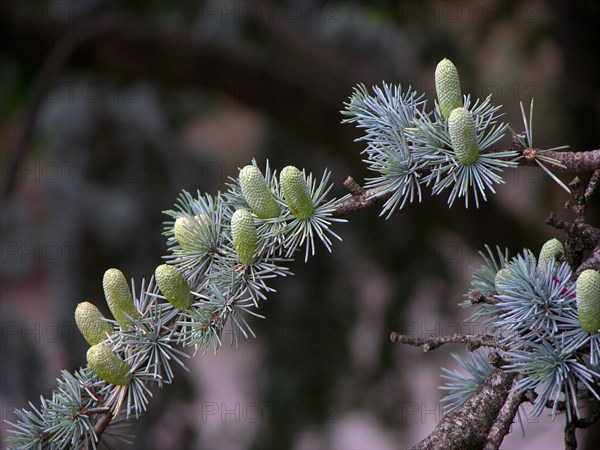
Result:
[[110, 108]]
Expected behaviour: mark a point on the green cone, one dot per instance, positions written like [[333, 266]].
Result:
[[447, 86], [257, 194], [108, 366], [463, 136], [185, 231], [243, 233], [295, 192], [550, 251], [588, 300], [90, 322], [118, 297], [174, 286], [501, 278]]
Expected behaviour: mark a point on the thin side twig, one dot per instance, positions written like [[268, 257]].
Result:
[[589, 235], [473, 341], [592, 185], [585, 161], [360, 199], [476, 297]]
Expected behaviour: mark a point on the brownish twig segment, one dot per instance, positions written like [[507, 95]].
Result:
[[476, 297], [589, 235], [576, 161], [570, 435], [592, 185], [573, 161], [353, 186], [473, 341], [360, 199]]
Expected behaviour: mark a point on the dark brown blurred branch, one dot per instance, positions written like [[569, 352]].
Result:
[[52, 64], [307, 100]]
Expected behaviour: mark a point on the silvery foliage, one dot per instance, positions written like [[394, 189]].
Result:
[[535, 317], [226, 295], [409, 147]]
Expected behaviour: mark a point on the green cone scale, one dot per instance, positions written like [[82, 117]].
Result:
[[501, 276], [588, 300], [185, 231], [174, 286], [295, 192], [550, 251], [108, 366], [447, 86], [243, 234], [118, 297], [257, 194], [463, 135], [91, 323]]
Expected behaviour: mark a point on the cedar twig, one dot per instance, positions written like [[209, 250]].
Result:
[[473, 341]]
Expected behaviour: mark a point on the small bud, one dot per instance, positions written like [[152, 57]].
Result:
[[108, 366], [185, 231], [550, 251], [447, 86], [588, 300], [243, 233], [118, 297], [501, 277], [91, 323], [174, 286], [463, 136], [257, 194], [295, 192]]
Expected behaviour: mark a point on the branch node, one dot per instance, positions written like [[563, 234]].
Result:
[[353, 186]]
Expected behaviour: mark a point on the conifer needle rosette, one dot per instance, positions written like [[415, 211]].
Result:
[[461, 163], [530, 153], [134, 395], [536, 318], [195, 233], [385, 115], [153, 341], [484, 280], [205, 322], [459, 385], [555, 372], [148, 350], [307, 212], [65, 420], [532, 301], [247, 262]]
